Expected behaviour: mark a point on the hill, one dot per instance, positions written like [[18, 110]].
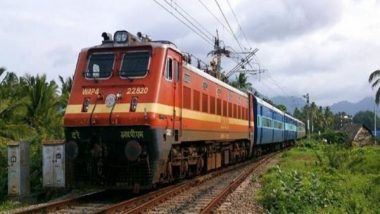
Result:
[[366, 104], [292, 102]]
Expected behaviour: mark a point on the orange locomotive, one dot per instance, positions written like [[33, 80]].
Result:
[[140, 114]]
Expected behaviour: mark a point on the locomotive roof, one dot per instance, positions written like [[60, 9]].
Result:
[[166, 45], [153, 44], [213, 79]]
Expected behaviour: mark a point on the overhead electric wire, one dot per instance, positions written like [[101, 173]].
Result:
[[237, 21], [228, 24], [276, 84], [229, 30], [189, 21], [206, 39], [268, 87], [241, 29], [212, 14], [210, 34]]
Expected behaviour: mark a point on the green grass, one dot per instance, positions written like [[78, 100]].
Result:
[[322, 178], [8, 205]]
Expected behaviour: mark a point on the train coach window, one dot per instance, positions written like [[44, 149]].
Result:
[[100, 65], [278, 124], [258, 121], [266, 122], [135, 64]]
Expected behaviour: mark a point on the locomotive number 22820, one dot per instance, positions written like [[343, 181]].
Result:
[[137, 90]]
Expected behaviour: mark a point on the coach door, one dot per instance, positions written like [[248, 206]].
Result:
[[174, 65]]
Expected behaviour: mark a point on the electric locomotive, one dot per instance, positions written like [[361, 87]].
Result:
[[140, 114]]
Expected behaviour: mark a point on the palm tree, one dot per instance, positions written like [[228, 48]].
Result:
[[12, 108], [42, 108], [241, 82], [66, 85], [374, 78]]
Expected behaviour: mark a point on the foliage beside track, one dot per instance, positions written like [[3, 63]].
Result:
[[31, 110], [315, 177]]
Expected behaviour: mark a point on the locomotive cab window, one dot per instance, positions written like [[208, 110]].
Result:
[[169, 69], [172, 69], [100, 65], [135, 64]]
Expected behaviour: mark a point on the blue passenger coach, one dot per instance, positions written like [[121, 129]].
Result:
[[269, 123], [274, 126], [290, 130]]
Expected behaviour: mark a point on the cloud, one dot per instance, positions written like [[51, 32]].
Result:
[[281, 20], [326, 48]]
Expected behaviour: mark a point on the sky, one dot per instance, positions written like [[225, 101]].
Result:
[[325, 48]]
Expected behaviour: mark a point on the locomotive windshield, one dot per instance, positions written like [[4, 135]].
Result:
[[135, 64], [100, 65]]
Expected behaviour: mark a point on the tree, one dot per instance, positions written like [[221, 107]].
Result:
[[12, 108], [42, 108], [366, 118], [298, 114], [30, 110], [66, 85], [374, 78], [322, 118], [282, 107], [328, 119], [241, 82]]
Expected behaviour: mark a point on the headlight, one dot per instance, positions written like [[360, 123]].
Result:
[[71, 150], [110, 100], [86, 104], [132, 150], [133, 105], [120, 36]]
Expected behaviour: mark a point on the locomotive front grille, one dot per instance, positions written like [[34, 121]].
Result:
[[128, 175]]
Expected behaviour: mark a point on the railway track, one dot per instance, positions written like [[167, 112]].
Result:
[[202, 194], [87, 203]]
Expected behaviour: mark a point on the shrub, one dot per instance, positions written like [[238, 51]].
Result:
[[324, 178], [3, 172], [333, 137], [295, 192]]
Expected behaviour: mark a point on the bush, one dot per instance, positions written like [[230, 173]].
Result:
[[295, 192], [3, 172], [324, 178], [333, 137]]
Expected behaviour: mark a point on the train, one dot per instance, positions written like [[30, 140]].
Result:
[[140, 114]]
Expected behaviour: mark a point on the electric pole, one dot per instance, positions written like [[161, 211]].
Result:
[[306, 96], [217, 53], [374, 111]]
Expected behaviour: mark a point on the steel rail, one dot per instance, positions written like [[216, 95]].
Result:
[[218, 200], [142, 203], [57, 205]]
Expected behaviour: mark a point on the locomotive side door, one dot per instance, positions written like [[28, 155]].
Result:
[[174, 66]]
